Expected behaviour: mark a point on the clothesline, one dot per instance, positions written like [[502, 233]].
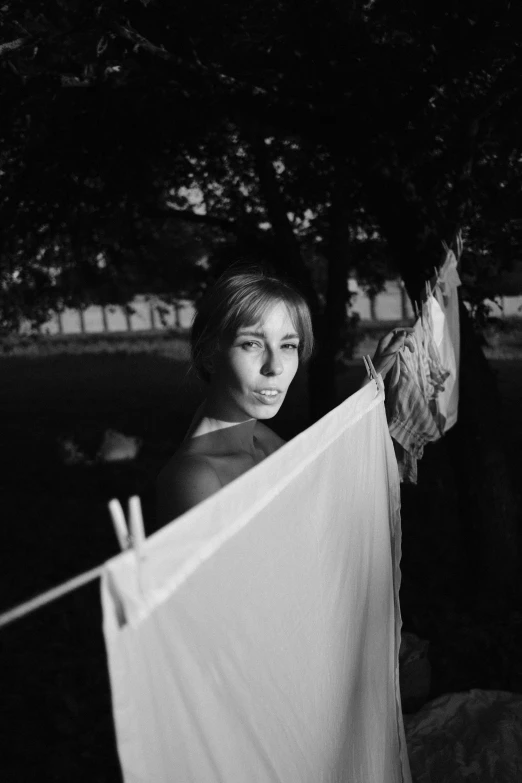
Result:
[[50, 595], [132, 535]]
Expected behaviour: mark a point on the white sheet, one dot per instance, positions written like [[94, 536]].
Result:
[[257, 640]]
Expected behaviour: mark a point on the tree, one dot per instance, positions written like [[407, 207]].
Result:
[[354, 114]]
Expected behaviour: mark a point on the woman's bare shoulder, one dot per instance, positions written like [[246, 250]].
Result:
[[268, 438], [184, 462], [186, 480]]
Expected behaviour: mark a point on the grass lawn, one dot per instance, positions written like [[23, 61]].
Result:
[[55, 695]]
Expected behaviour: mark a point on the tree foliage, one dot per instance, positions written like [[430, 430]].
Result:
[[114, 113]]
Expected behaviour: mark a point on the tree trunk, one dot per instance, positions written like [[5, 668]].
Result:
[[330, 330], [81, 317], [373, 309], [288, 252], [321, 370], [105, 321], [328, 321], [177, 320]]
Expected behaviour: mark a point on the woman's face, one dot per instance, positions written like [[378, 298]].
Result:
[[252, 375]]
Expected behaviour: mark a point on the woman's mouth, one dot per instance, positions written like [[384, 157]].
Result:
[[268, 396]]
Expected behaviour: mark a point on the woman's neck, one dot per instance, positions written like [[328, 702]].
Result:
[[236, 436]]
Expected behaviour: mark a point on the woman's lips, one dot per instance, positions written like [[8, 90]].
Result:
[[273, 396]]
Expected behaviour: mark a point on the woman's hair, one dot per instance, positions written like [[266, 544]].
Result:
[[238, 299]]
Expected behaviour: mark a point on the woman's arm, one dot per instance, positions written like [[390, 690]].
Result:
[[183, 483]]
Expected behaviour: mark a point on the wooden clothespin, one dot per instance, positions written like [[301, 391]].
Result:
[[368, 371], [459, 242], [134, 537], [119, 524], [372, 375]]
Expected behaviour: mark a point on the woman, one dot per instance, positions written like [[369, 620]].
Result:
[[250, 333]]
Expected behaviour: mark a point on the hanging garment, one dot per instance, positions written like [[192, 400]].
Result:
[[256, 638], [410, 418], [433, 325], [447, 335]]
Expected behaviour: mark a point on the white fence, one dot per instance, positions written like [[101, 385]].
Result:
[[147, 315], [151, 315]]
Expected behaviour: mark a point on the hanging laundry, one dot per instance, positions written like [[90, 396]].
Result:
[[433, 324], [256, 638], [410, 418], [423, 389], [447, 335]]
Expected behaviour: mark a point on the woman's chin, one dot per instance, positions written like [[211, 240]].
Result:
[[267, 411], [267, 414]]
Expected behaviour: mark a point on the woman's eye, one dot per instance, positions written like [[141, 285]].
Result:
[[249, 345], [290, 346]]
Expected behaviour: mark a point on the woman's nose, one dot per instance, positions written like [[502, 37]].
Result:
[[273, 364]]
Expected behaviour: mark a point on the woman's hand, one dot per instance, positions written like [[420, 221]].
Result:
[[388, 347]]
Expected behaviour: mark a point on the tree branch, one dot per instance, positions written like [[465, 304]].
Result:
[[19, 43], [132, 35], [252, 235]]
